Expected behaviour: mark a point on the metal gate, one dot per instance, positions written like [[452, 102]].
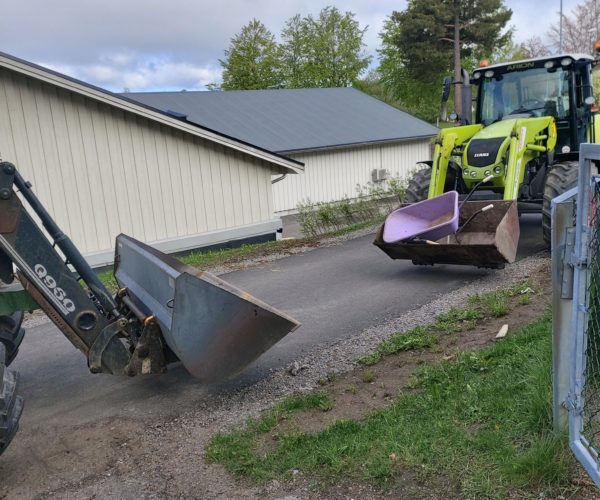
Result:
[[576, 312]]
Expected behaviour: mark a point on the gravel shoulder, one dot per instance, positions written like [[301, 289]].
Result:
[[146, 457]]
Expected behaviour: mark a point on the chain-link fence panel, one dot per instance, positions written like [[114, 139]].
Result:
[[583, 399], [591, 377]]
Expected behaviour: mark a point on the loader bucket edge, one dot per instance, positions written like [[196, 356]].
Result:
[[214, 328]]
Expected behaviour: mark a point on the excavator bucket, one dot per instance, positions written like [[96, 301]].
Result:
[[214, 328], [482, 238]]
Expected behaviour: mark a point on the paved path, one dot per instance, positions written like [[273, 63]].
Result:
[[334, 292]]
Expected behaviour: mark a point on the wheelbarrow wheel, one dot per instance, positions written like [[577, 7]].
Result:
[[561, 178]]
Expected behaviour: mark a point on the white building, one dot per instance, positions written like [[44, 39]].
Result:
[[103, 165], [341, 134]]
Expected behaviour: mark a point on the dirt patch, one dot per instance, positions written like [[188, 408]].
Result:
[[78, 456], [358, 393]]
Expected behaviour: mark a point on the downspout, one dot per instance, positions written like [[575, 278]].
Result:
[[280, 178]]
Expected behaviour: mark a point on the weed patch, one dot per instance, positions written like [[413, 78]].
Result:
[[371, 204], [416, 338]]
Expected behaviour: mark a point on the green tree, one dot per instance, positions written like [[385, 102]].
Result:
[[252, 60], [326, 51], [430, 38], [418, 95], [372, 84]]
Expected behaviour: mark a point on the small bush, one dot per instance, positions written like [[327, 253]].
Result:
[[371, 203]]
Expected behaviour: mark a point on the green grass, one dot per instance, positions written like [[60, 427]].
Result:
[[312, 401], [417, 338], [108, 280], [421, 337], [494, 303], [215, 257], [483, 420], [497, 303], [368, 376]]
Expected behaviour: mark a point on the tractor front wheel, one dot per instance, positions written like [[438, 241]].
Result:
[[11, 405], [418, 186], [561, 178], [11, 334]]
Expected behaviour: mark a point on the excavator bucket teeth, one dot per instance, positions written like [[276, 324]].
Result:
[[214, 328], [488, 239]]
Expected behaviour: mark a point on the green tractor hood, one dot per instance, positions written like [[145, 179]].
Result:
[[487, 147], [504, 148]]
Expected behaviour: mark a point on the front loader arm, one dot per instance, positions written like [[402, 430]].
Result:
[[447, 140], [530, 138], [90, 320]]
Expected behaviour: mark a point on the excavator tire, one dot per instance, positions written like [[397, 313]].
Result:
[[11, 405], [11, 334], [561, 178], [418, 186]]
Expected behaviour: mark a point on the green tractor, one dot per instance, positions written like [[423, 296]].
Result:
[[522, 147]]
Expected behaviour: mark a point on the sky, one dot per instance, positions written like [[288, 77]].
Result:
[[146, 45]]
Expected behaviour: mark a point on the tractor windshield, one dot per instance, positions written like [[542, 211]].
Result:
[[526, 92]]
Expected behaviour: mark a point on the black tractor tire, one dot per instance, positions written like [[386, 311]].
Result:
[[11, 405], [11, 334], [560, 178], [418, 186]]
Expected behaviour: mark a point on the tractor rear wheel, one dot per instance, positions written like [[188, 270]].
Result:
[[418, 186], [11, 334], [561, 178], [11, 405]]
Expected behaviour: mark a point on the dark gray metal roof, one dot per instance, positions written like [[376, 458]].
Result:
[[293, 120]]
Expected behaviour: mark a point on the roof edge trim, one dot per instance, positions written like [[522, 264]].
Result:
[[358, 144], [71, 84]]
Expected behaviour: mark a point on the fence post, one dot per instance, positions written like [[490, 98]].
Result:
[[563, 239]]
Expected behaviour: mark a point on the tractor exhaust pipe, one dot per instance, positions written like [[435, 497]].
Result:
[[466, 99]]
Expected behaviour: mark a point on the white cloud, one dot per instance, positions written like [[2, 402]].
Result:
[[157, 44], [117, 73]]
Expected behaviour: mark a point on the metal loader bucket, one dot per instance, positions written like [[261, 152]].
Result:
[[214, 328], [490, 239]]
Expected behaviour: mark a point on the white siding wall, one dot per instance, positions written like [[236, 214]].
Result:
[[101, 171], [331, 175]]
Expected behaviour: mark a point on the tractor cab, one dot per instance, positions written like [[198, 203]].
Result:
[[556, 86]]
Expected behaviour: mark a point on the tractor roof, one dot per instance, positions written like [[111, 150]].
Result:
[[573, 55]]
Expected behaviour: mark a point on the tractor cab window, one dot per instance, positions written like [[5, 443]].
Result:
[[524, 93]]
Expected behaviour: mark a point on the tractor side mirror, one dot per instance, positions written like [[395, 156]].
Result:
[[590, 101], [446, 88], [445, 96]]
